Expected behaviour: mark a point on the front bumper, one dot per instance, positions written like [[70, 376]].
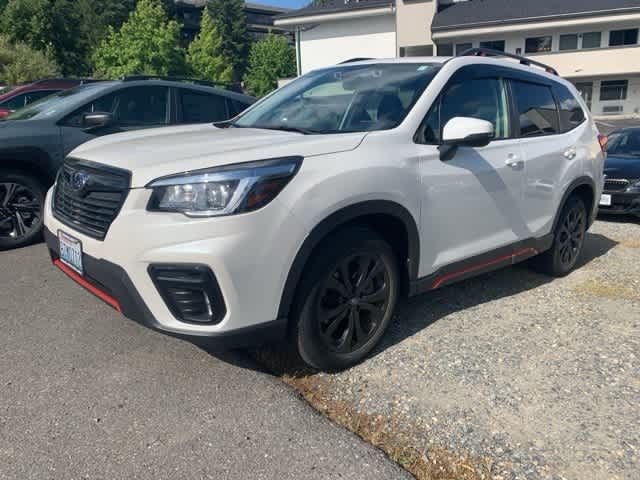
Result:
[[110, 283], [622, 204], [248, 255]]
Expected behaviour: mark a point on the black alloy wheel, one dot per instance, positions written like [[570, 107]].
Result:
[[346, 299], [352, 303], [571, 235], [21, 205], [568, 240]]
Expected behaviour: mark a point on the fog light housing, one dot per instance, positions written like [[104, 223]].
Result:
[[191, 292]]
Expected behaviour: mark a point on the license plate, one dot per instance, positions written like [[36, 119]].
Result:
[[70, 251], [605, 200]]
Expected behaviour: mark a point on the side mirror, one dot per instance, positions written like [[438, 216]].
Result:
[[464, 132], [95, 120]]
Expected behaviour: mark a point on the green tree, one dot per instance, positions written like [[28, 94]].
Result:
[[59, 27], [20, 63], [204, 56], [147, 43], [231, 22], [270, 58], [28, 21]]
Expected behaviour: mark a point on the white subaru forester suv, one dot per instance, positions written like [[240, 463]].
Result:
[[309, 215]]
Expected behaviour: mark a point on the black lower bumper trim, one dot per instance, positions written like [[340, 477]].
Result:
[[113, 280]]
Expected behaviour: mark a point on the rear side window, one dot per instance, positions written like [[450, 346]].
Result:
[[536, 109], [571, 113], [201, 107], [235, 107]]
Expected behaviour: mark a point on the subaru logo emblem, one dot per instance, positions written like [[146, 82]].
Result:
[[79, 180]]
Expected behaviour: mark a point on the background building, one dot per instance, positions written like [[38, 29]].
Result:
[[593, 43], [259, 18]]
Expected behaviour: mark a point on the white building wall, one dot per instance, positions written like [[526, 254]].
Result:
[[333, 42]]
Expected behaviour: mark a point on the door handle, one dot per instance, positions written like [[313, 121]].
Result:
[[570, 153], [513, 161]]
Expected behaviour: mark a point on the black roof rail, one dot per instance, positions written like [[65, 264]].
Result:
[[357, 59], [488, 52], [229, 86], [62, 79]]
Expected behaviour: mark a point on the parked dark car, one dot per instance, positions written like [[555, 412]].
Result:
[[622, 168], [14, 98], [35, 139]]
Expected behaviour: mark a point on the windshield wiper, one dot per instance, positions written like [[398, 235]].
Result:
[[286, 128]]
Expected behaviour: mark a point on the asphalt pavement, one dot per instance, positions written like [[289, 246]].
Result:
[[87, 393]]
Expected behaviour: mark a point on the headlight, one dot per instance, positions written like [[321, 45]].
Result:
[[635, 187], [223, 190]]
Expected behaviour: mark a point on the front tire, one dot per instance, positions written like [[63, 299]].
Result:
[[568, 240], [346, 299], [21, 209]]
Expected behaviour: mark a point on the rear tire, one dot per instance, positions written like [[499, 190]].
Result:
[[568, 240], [346, 299], [21, 209]]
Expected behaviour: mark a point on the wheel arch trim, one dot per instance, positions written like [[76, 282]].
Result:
[[342, 217], [573, 186]]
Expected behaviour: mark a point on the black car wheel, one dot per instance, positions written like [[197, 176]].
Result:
[[346, 299], [21, 206], [568, 240]]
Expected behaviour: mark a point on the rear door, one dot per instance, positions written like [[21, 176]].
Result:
[[471, 204], [550, 145]]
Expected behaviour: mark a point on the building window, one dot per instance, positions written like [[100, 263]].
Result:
[[591, 40], [586, 92], [445, 49], [569, 42], [493, 45], [613, 89], [462, 47], [417, 51], [537, 44], [623, 37]]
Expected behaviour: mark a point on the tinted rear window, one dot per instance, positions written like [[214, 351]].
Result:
[[536, 107], [571, 113]]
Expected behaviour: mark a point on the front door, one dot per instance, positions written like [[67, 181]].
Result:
[[132, 108], [471, 204]]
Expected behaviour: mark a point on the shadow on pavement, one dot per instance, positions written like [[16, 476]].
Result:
[[417, 313]]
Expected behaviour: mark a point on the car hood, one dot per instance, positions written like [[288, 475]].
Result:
[[622, 167], [158, 152]]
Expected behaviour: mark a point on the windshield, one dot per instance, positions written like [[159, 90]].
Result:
[[626, 143], [52, 104], [356, 98]]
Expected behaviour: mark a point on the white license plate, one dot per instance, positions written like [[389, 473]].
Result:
[[70, 251], [605, 200]]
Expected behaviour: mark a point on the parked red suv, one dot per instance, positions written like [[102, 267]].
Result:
[[19, 96]]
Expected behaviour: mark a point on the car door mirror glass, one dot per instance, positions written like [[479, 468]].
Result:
[[95, 120], [464, 132]]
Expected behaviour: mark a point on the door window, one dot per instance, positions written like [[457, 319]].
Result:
[[201, 107], [25, 99], [537, 111], [483, 98], [134, 106]]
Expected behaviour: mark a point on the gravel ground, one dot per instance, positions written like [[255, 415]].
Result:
[[540, 375]]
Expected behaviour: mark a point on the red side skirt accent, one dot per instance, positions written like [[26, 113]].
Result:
[[108, 299], [518, 253]]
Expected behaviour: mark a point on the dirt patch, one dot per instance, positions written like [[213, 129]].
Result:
[[388, 435]]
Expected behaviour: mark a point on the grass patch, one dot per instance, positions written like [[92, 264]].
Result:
[[598, 288], [387, 435]]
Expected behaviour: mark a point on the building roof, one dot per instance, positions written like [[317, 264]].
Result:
[[469, 13], [336, 6]]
